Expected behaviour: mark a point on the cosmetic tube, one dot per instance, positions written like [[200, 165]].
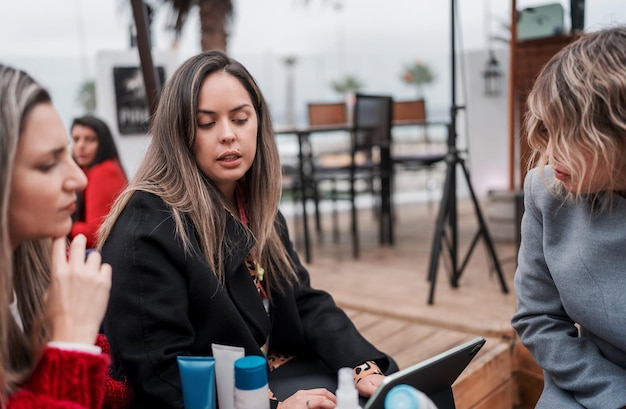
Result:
[[251, 388], [197, 376], [225, 357]]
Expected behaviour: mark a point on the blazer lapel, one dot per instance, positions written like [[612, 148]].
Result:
[[240, 285]]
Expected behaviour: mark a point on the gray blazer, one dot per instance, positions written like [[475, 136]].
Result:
[[572, 270]]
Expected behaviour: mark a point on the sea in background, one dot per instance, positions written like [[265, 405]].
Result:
[[312, 76]]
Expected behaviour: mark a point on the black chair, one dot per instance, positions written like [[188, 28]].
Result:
[[323, 114], [421, 153], [325, 118], [368, 168]]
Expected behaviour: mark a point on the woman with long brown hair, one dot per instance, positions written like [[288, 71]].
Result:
[[202, 255], [52, 300]]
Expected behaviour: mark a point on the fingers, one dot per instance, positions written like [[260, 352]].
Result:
[[310, 399], [320, 402], [58, 253], [93, 260], [78, 294], [319, 394], [94, 264], [77, 251], [105, 275], [91, 263], [368, 385]]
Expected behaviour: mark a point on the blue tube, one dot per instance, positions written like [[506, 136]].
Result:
[[197, 376]]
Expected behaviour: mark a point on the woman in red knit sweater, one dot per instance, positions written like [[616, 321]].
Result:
[[52, 299], [93, 148]]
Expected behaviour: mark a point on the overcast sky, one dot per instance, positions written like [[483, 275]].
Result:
[[81, 27], [361, 33]]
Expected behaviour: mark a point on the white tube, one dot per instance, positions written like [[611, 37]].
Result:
[[225, 357]]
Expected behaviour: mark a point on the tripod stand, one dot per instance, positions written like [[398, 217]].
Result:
[[448, 205]]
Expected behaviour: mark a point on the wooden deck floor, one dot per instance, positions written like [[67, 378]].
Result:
[[385, 292]]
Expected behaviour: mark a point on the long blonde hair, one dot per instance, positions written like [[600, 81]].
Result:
[[578, 105], [24, 272], [169, 171]]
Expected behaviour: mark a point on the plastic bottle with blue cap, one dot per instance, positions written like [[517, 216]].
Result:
[[251, 388], [407, 397]]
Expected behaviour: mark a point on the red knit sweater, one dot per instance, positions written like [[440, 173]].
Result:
[[104, 182], [117, 395], [64, 379], [71, 380]]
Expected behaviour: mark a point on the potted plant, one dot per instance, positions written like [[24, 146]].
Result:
[[347, 86], [418, 74]]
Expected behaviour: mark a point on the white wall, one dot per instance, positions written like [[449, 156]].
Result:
[[485, 125], [482, 127], [131, 147]]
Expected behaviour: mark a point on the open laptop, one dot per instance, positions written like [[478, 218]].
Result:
[[433, 376]]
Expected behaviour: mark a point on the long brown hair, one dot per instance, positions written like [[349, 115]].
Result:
[[169, 171], [24, 273]]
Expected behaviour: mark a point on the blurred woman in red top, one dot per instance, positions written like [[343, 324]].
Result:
[[94, 150]]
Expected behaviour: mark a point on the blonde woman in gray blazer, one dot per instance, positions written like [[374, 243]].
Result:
[[571, 277]]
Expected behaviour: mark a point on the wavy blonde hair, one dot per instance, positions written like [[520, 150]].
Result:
[[170, 171], [24, 271], [578, 105]]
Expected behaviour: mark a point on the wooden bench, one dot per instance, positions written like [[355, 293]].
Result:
[[385, 294], [487, 383]]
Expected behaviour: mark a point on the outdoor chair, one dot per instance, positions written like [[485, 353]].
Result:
[[324, 114], [415, 153], [327, 113], [366, 167]]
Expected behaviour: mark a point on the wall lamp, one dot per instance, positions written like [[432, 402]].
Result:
[[492, 76]]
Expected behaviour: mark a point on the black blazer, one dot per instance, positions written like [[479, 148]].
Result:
[[166, 303]]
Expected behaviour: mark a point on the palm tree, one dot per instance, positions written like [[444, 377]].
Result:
[[215, 19]]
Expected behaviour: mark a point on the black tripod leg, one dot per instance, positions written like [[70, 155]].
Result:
[[444, 209], [485, 232], [355, 224]]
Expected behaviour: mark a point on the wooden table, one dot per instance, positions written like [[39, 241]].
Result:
[[305, 171], [305, 165]]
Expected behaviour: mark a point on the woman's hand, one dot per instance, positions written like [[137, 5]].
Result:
[[310, 399], [77, 297], [368, 384]]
